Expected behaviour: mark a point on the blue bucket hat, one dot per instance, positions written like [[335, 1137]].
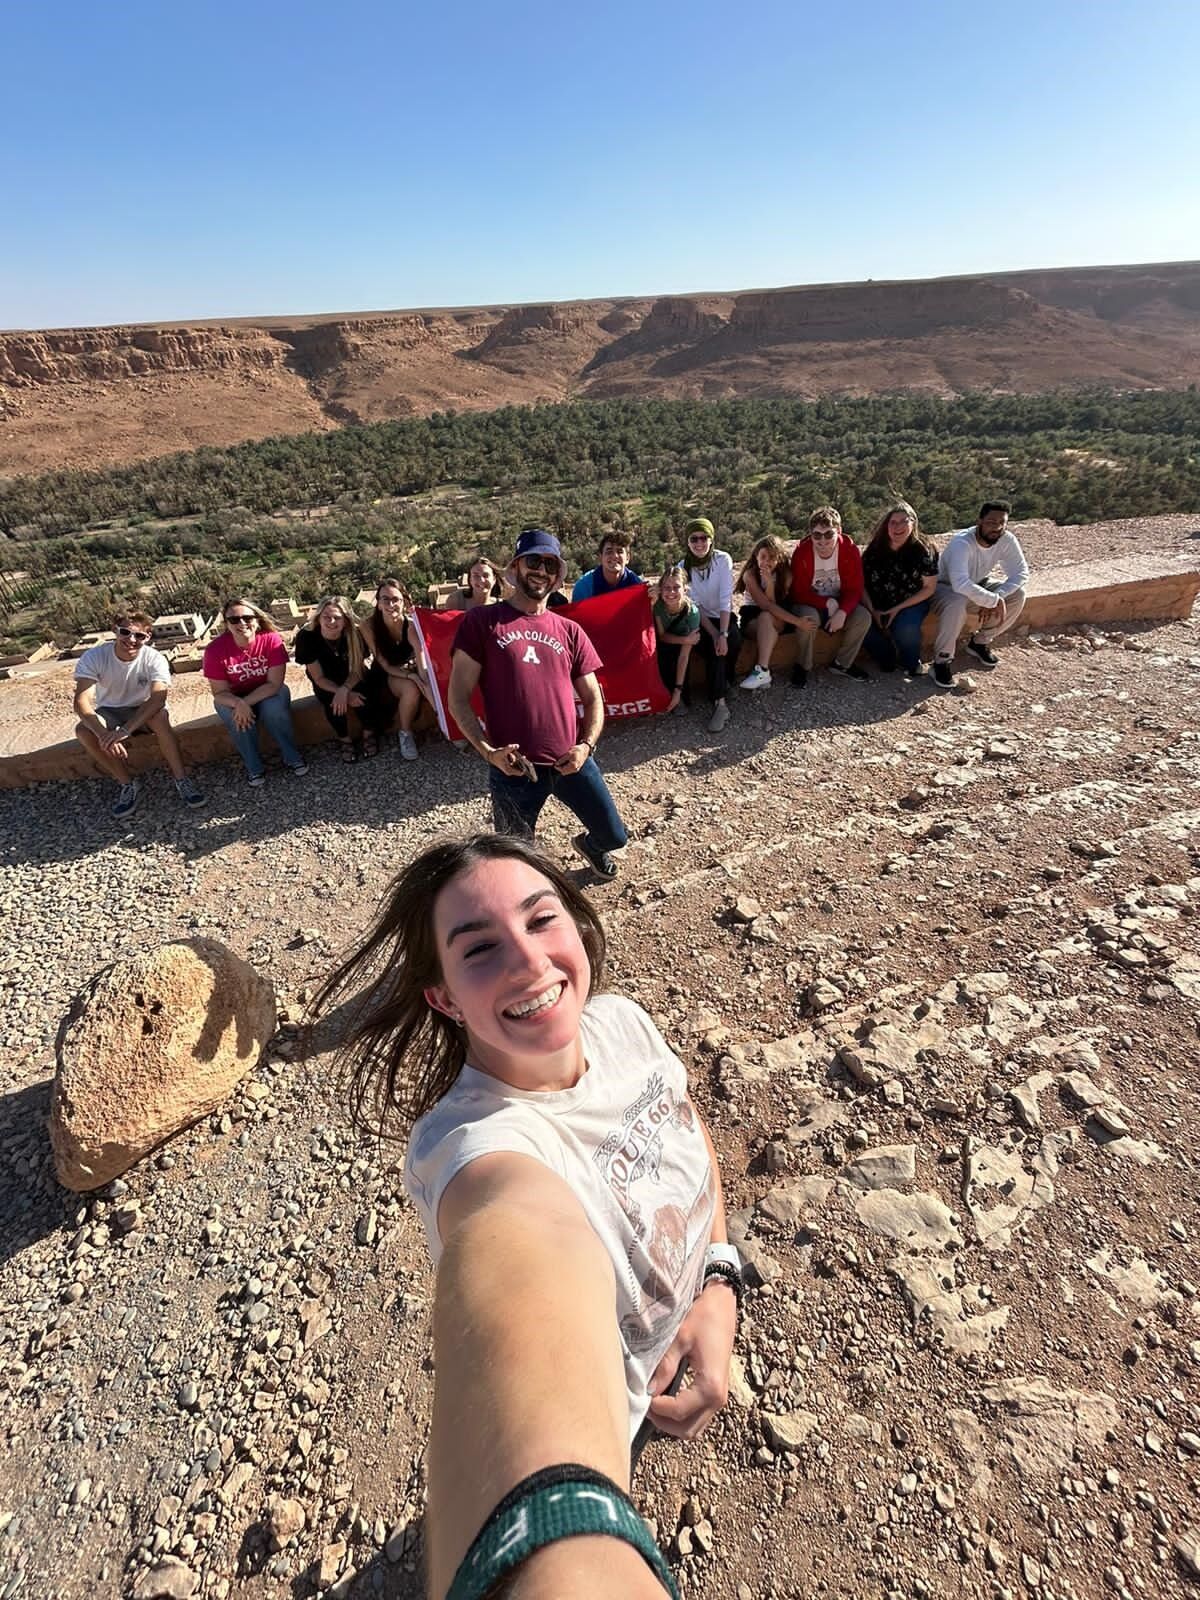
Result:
[[537, 542]]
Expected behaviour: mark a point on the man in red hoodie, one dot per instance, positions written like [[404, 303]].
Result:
[[827, 591]]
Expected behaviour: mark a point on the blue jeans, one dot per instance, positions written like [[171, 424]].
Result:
[[517, 803], [275, 715], [902, 640]]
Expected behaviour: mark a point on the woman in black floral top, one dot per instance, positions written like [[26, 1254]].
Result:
[[900, 569]]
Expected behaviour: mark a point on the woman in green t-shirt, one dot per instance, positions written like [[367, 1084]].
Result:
[[677, 627]]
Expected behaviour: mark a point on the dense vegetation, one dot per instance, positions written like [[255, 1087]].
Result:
[[332, 510]]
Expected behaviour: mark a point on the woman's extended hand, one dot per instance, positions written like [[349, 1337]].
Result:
[[705, 1340]]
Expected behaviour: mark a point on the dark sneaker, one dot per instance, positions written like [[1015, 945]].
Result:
[[943, 674], [851, 672], [799, 677], [983, 653], [126, 802], [189, 793], [300, 769], [601, 863]]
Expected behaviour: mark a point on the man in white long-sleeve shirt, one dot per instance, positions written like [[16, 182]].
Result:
[[967, 577]]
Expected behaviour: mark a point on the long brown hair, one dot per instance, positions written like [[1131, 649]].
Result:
[[400, 1054], [782, 572], [878, 536]]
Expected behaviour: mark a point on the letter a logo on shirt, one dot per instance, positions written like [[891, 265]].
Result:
[[532, 655]]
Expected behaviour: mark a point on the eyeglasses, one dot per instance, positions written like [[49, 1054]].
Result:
[[699, 538], [540, 564], [824, 534], [132, 633], [241, 622]]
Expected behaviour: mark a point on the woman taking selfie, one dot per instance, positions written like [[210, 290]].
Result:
[[569, 1193]]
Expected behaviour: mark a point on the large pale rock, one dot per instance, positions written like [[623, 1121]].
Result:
[[152, 1044]]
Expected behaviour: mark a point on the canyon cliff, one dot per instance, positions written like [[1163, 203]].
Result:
[[83, 397]]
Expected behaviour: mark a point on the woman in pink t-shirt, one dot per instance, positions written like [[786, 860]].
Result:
[[245, 667]]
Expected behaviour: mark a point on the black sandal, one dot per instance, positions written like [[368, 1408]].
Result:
[[370, 744], [349, 754]]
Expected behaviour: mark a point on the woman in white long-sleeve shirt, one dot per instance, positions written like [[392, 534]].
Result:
[[710, 577]]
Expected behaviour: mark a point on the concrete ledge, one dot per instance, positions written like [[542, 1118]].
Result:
[[1153, 587], [201, 739]]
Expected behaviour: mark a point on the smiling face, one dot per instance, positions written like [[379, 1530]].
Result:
[[482, 579], [765, 559], [535, 576], [514, 973], [242, 623], [670, 592], [614, 558], [824, 538], [899, 529], [332, 622], [390, 602]]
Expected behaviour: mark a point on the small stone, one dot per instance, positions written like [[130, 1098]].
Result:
[[188, 1396], [171, 1579], [285, 1519], [325, 1571]]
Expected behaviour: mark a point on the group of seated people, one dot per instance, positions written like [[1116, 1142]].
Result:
[[875, 599]]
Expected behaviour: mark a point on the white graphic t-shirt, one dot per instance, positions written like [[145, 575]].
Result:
[[626, 1140], [826, 578], [123, 683]]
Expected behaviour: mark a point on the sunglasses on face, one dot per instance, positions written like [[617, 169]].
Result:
[[241, 622], [540, 564], [699, 538], [824, 536], [132, 633]]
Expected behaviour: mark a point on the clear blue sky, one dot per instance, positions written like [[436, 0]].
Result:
[[168, 159]]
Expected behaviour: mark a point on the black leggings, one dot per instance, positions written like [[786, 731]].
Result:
[[717, 669], [668, 669]]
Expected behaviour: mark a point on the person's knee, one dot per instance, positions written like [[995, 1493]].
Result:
[[86, 736]]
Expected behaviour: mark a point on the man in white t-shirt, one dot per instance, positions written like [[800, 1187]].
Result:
[[121, 690]]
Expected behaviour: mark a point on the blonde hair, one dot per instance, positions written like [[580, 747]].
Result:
[[679, 575], [266, 624], [355, 650]]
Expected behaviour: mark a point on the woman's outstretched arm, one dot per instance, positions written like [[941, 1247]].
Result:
[[529, 1373]]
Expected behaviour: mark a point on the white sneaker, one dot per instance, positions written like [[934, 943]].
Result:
[[760, 678], [719, 717], [408, 746]]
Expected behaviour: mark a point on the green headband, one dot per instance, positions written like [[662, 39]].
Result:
[[700, 525]]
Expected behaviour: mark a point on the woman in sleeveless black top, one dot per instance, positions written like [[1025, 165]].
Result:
[[398, 678]]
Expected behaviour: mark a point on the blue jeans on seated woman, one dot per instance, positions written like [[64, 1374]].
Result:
[[275, 715], [517, 803], [902, 642]]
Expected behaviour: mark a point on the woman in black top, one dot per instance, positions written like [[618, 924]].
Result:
[[398, 676], [330, 649], [900, 573]]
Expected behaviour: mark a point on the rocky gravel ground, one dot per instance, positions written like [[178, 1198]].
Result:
[[933, 962]]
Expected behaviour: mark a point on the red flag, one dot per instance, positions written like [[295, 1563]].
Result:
[[621, 628]]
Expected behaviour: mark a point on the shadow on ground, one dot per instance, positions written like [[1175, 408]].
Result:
[[31, 1204], [68, 821]]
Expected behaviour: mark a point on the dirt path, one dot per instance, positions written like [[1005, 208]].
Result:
[[969, 1368]]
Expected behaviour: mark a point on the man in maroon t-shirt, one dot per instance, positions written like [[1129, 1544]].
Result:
[[530, 665]]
